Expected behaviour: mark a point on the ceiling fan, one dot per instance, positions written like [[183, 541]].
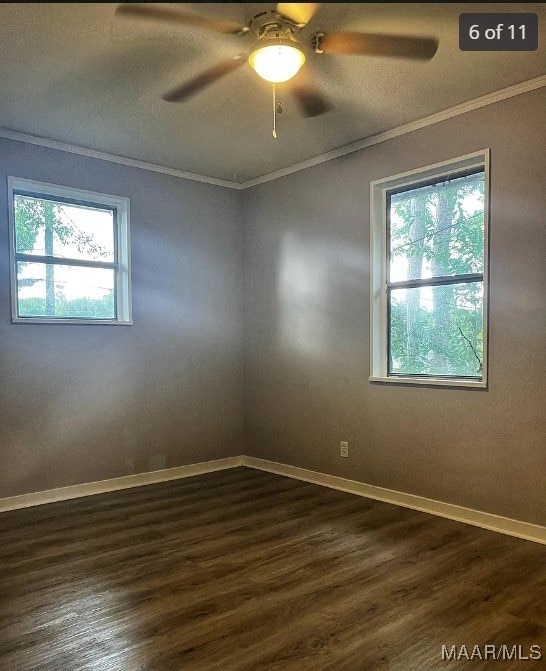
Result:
[[276, 54]]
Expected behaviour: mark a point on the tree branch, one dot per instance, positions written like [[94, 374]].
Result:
[[471, 347]]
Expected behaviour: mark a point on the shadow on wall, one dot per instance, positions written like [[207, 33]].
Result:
[[111, 420], [88, 403]]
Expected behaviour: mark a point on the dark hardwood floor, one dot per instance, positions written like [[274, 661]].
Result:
[[245, 571]]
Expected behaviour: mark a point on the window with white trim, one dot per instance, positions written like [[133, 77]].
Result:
[[429, 238], [70, 255]]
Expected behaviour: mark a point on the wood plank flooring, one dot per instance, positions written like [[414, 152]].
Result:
[[242, 570]]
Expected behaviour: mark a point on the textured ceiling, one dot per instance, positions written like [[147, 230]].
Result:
[[72, 73]]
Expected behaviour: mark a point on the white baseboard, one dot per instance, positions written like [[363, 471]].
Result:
[[112, 485], [503, 525], [478, 518]]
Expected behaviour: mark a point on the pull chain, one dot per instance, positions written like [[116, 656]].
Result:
[[274, 113]]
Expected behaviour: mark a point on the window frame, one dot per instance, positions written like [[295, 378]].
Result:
[[122, 248], [379, 266]]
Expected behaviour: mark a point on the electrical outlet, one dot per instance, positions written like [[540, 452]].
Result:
[[343, 448]]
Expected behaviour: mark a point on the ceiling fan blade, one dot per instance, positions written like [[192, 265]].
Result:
[[311, 101], [370, 44], [206, 78], [299, 13], [173, 16]]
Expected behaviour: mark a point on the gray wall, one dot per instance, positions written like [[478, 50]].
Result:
[[307, 326], [84, 403]]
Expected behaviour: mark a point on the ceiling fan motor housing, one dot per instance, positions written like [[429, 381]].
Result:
[[265, 21], [273, 36]]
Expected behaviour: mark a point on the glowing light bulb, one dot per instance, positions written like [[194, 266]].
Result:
[[277, 63]]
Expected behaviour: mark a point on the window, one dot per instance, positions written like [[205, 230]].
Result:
[[429, 274], [70, 257]]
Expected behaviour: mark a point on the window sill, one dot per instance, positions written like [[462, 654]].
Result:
[[74, 322], [433, 382]]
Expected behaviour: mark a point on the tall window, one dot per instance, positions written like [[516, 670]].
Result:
[[429, 277], [70, 255]]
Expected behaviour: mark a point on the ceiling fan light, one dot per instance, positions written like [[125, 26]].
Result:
[[277, 62]]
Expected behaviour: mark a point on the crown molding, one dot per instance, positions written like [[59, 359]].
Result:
[[463, 108], [113, 158]]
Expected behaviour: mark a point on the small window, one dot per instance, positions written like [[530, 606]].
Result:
[[70, 257], [429, 275]]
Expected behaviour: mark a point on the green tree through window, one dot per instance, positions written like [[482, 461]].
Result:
[[435, 278], [52, 230]]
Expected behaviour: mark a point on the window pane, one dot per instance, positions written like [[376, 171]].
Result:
[[50, 228], [48, 290], [437, 330], [437, 230]]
